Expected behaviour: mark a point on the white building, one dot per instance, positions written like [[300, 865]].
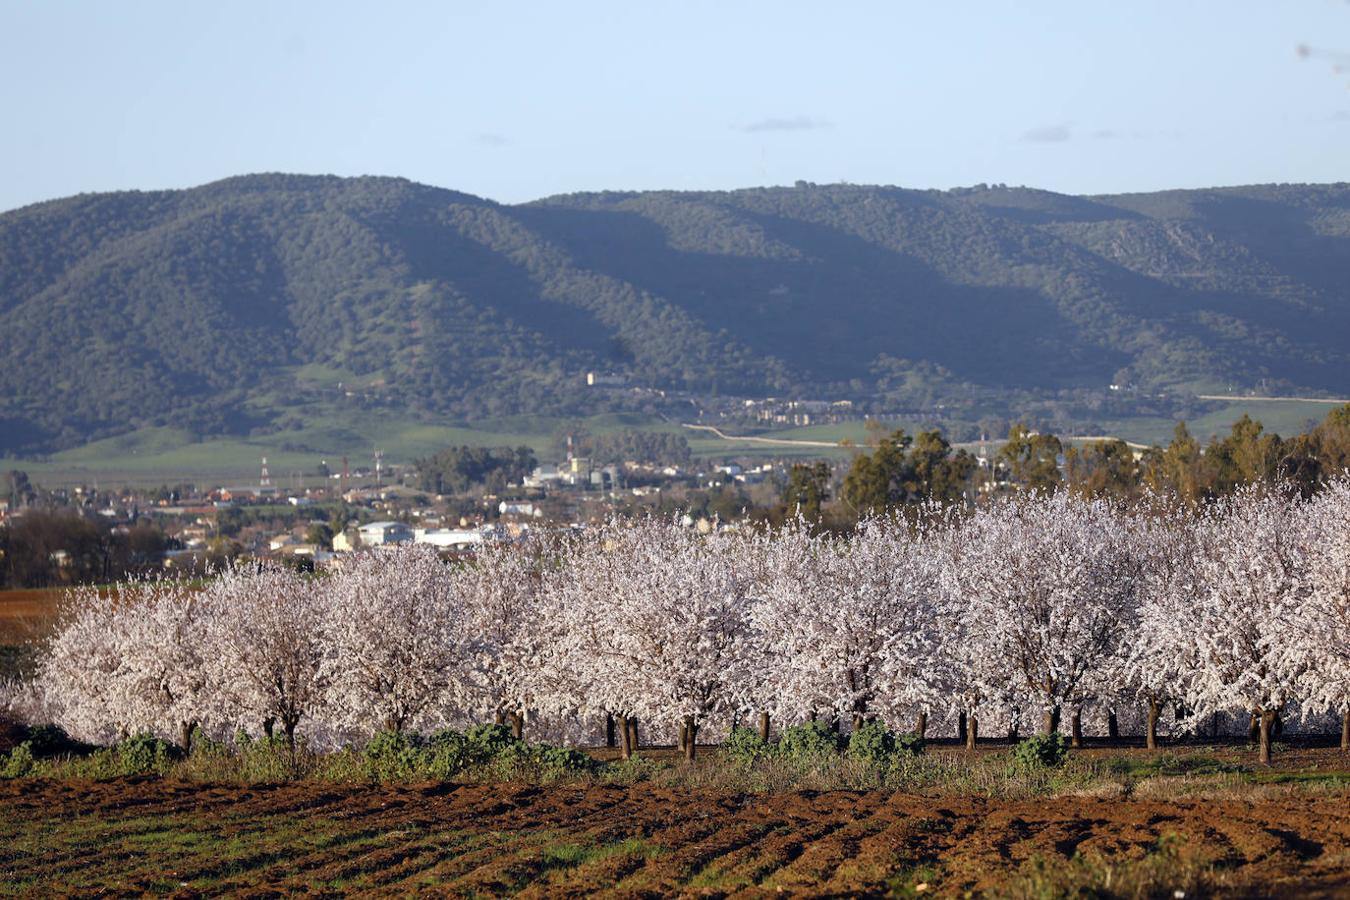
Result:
[[452, 538], [602, 379], [374, 534], [542, 476]]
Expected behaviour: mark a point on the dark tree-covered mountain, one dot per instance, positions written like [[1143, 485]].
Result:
[[232, 306]]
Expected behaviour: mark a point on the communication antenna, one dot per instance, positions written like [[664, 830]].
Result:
[[264, 480], [379, 465]]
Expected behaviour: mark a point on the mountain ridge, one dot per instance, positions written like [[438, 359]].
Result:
[[213, 307]]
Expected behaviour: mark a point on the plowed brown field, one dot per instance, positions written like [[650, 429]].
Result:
[[151, 835], [27, 614]]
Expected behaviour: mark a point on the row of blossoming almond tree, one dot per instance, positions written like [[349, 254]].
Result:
[[1033, 608]]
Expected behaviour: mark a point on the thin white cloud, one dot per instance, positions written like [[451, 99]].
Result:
[[795, 123], [488, 139], [1049, 134]]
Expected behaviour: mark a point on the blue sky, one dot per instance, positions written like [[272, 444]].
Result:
[[516, 101]]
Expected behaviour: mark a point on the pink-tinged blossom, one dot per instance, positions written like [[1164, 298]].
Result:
[[1252, 558], [398, 654], [1323, 621], [129, 660], [268, 634], [849, 627], [1048, 586], [508, 641], [654, 622]]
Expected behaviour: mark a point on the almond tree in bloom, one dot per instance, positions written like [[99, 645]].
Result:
[[1048, 585], [131, 659], [774, 687], [267, 634], [976, 683], [656, 616], [165, 656], [80, 672], [1324, 620], [576, 597], [398, 656], [1161, 657], [507, 638], [848, 625], [1252, 560], [785, 684]]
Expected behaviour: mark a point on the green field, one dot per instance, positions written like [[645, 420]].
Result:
[[1285, 417], [153, 456]]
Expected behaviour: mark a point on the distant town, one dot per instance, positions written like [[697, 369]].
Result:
[[463, 497]]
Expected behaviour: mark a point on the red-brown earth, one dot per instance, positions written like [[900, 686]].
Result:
[[148, 834]]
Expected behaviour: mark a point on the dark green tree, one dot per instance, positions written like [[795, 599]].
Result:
[[1032, 458], [901, 471], [1103, 469], [808, 487]]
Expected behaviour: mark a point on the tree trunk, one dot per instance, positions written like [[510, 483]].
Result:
[[626, 734], [857, 721], [517, 720], [1076, 730], [1112, 726], [1151, 734], [1050, 721], [1345, 730], [1254, 727], [961, 728], [633, 733], [921, 724], [1267, 720], [185, 736], [268, 724], [684, 735], [500, 718], [611, 739], [764, 725], [972, 732], [690, 732], [288, 725]]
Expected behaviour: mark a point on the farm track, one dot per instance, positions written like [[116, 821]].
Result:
[[140, 835]]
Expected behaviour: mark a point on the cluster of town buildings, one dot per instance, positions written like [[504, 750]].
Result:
[[317, 524]]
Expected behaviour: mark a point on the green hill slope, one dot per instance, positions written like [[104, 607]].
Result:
[[250, 305]]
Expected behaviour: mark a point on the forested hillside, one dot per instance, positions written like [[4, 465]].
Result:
[[244, 304]]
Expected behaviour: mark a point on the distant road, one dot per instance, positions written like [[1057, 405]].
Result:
[[795, 442], [1336, 400], [781, 442]]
